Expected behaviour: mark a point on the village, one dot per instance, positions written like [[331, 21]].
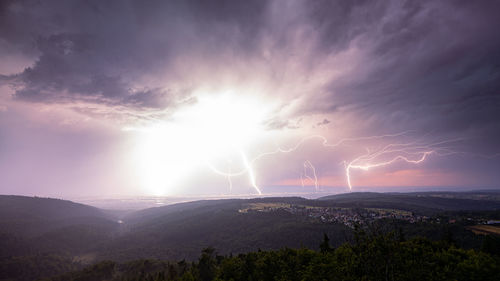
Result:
[[346, 216]]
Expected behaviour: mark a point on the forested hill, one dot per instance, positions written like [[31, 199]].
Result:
[[33, 225], [423, 202], [22, 207], [370, 257], [33, 216]]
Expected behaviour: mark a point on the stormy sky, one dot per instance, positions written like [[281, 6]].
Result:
[[103, 98]]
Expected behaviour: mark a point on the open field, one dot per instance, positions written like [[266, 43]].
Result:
[[485, 229], [263, 206]]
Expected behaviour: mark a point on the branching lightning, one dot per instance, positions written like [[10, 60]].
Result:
[[251, 173], [411, 152], [363, 162], [308, 165]]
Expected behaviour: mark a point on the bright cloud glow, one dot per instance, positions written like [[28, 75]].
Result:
[[208, 134]]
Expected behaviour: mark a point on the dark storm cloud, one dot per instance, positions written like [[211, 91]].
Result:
[[431, 66], [339, 22], [98, 51], [324, 122]]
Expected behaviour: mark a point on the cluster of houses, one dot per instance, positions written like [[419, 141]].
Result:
[[347, 216], [362, 216]]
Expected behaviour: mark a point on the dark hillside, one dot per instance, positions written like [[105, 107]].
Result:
[[415, 202], [40, 225], [32, 216], [182, 230]]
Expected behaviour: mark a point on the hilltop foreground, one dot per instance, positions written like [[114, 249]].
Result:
[[400, 236]]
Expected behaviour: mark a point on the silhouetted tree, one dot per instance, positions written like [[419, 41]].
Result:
[[207, 264], [324, 247]]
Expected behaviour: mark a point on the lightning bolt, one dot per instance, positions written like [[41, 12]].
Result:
[[412, 152], [246, 170], [308, 165], [251, 173], [324, 143], [367, 166]]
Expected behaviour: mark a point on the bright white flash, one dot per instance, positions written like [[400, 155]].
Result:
[[208, 133]]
